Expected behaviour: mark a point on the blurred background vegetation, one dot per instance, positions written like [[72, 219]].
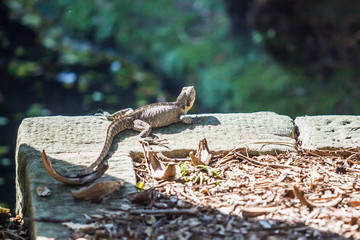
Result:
[[66, 57]]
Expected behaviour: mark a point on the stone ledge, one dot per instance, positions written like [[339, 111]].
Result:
[[328, 132], [74, 141]]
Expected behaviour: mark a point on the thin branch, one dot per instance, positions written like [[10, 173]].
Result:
[[164, 211]]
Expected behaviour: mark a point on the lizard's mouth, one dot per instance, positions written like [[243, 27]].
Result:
[[189, 105], [189, 95]]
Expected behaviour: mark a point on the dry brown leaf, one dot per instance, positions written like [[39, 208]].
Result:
[[43, 191], [4, 210], [97, 191], [354, 203], [195, 160], [170, 171], [203, 155], [299, 194], [257, 211], [144, 197], [157, 167]]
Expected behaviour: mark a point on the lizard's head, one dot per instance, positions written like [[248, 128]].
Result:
[[187, 97]]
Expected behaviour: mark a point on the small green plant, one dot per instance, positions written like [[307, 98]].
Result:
[[199, 174], [184, 170], [209, 170]]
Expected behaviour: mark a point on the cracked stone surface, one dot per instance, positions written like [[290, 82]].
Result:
[[72, 142], [328, 132]]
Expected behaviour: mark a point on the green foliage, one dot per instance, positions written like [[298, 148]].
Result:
[[36, 110], [185, 41], [200, 174], [210, 171], [4, 150], [20, 69], [184, 168]]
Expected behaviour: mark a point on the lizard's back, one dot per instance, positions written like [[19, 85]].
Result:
[[159, 114]]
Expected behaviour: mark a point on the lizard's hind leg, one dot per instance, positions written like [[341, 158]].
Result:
[[145, 129]]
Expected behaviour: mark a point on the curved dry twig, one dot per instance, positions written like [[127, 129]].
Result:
[[299, 194], [79, 180]]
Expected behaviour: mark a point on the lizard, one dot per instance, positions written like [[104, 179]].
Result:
[[142, 119]]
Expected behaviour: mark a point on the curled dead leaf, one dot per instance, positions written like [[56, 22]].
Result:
[[203, 155], [97, 191], [195, 160], [157, 167], [299, 194]]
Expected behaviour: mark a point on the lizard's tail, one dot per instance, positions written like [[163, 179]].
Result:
[[96, 169], [114, 128], [73, 180]]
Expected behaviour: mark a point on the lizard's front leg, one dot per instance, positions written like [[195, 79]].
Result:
[[189, 120], [116, 115], [145, 129]]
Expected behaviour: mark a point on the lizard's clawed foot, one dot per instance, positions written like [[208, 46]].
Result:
[[190, 120], [154, 141], [104, 114], [197, 119]]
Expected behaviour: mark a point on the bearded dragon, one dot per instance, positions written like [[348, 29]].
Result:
[[143, 120]]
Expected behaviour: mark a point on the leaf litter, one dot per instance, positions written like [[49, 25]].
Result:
[[230, 195], [12, 227]]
